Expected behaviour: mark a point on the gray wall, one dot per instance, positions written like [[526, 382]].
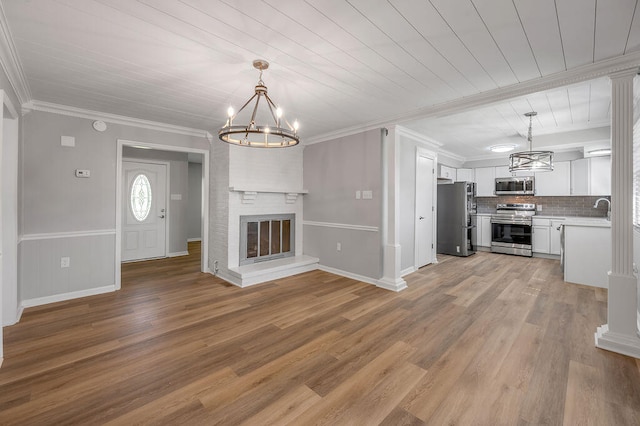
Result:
[[333, 172], [67, 216], [194, 207], [178, 184]]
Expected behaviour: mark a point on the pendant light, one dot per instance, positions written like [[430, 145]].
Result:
[[533, 161], [260, 135]]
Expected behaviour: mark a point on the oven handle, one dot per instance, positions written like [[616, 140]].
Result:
[[511, 222]]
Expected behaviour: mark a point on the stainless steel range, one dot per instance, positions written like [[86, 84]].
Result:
[[511, 229]]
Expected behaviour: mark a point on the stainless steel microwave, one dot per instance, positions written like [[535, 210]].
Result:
[[522, 185]]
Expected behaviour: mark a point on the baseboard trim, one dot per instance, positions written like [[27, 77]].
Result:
[[178, 254], [194, 240], [409, 270], [29, 303], [347, 274], [616, 342], [396, 285]]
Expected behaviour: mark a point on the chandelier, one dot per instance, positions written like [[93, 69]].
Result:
[[535, 161], [263, 135]]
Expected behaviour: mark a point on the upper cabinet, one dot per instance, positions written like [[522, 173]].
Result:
[[465, 175], [591, 176], [485, 181], [555, 183], [446, 172], [503, 171]]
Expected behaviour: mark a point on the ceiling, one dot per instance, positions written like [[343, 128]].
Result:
[[334, 64]]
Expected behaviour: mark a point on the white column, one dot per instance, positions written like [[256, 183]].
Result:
[[620, 334], [390, 229]]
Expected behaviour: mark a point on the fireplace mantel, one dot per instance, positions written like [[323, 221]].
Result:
[[249, 195]]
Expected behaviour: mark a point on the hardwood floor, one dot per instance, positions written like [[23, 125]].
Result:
[[484, 340]]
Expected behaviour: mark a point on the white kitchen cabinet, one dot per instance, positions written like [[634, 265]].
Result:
[[540, 239], [600, 176], [591, 176], [485, 181], [485, 231], [587, 252], [465, 175], [447, 172], [554, 236], [503, 171], [555, 183]]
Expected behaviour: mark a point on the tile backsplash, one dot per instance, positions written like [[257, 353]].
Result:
[[551, 206]]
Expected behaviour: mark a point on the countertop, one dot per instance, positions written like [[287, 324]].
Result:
[[596, 222], [570, 220]]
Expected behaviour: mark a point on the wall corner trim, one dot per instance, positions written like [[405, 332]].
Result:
[[11, 61]]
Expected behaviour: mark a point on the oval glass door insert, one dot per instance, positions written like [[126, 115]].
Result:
[[141, 197]]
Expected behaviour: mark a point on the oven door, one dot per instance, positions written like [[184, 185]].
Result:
[[511, 236]]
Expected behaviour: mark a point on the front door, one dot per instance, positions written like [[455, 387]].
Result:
[[424, 210], [144, 210]]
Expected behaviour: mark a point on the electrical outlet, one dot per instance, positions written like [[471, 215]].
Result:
[[65, 262], [539, 207], [458, 249], [358, 195], [339, 247]]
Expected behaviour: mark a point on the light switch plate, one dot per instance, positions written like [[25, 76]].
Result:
[[367, 195], [358, 195], [83, 173], [176, 197]]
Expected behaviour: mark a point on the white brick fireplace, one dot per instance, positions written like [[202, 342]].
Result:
[[263, 182]]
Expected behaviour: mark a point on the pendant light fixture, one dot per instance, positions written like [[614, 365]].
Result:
[[533, 161], [260, 135]]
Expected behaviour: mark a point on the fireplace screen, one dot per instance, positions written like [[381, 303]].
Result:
[[266, 237]]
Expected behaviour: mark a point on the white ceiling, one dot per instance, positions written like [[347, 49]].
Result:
[[335, 64]]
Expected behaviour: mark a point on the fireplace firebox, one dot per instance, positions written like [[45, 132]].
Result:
[[266, 237]]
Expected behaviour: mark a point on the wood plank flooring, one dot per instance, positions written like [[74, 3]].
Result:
[[484, 340]]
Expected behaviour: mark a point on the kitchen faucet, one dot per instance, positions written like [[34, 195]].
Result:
[[595, 206]]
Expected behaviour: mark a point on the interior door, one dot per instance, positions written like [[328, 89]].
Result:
[[144, 210], [424, 210]]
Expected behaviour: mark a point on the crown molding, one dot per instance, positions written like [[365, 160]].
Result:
[[347, 131], [622, 64], [428, 142], [10, 61], [113, 118]]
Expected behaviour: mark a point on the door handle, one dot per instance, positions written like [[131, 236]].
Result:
[[421, 217], [161, 216]]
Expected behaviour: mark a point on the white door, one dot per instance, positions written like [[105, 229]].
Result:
[[144, 210], [424, 210]]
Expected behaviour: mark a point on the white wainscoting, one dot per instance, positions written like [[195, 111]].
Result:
[[91, 269]]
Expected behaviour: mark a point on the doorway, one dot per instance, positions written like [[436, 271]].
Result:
[[425, 211], [144, 213], [204, 214]]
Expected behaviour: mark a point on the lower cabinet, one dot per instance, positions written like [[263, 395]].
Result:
[[484, 234], [546, 235], [540, 242], [554, 236]]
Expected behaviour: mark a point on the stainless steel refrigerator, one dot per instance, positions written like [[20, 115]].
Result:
[[456, 218]]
